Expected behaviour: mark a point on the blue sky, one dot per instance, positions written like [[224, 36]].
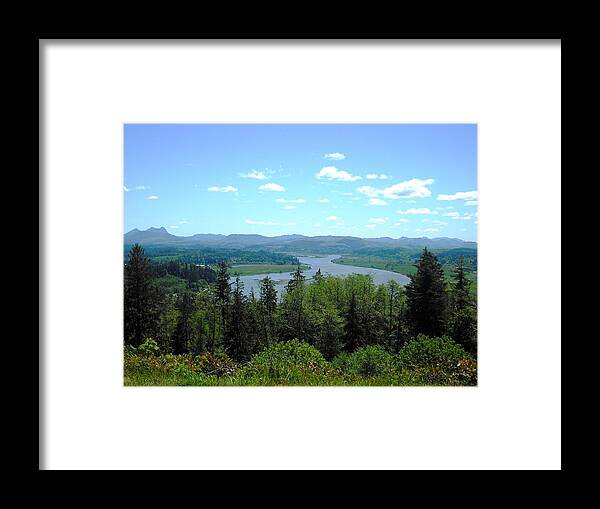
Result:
[[364, 180]]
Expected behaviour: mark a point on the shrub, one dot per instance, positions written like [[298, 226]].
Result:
[[369, 361], [436, 361], [342, 362], [219, 364], [149, 347], [290, 363]]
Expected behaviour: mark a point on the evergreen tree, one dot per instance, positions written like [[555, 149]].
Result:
[[462, 323], [141, 298], [184, 332], [223, 294], [235, 333], [401, 334], [268, 295], [460, 287], [318, 277], [352, 330], [268, 302], [296, 281], [253, 320], [426, 297], [295, 294], [223, 285], [329, 331]]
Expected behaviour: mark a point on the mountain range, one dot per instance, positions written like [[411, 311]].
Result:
[[290, 243]]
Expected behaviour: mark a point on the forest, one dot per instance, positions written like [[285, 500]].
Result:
[[187, 323]]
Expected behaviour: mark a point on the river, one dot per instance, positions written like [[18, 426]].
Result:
[[327, 266]]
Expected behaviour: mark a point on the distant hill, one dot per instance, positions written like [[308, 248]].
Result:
[[151, 236], [329, 244]]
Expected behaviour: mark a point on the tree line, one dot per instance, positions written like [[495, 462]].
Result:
[[334, 314]]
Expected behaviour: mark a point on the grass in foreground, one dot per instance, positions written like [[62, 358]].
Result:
[[422, 362]]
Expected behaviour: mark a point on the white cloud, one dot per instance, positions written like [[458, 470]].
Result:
[[371, 225], [323, 200], [185, 221], [331, 218], [449, 207], [272, 187], [173, 226], [423, 210], [152, 197], [377, 220], [375, 176], [258, 175], [126, 189], [471, 203], [400, 221], [428, 230], [224, 189], [335, 156], [450, 214], [414, 188], [463, 218], [441, 223], [142, 188], [369, 191], [283, 200], [332, 173], [377, 201], [290, 207], [462, 195]]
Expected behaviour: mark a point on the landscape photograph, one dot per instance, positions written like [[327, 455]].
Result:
[[300, 255]]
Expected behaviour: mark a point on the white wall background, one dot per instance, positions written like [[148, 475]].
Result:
[[512, 420]]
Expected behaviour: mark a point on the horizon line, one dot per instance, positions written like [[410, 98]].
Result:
[[290, 234]]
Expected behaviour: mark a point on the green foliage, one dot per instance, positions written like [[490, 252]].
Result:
[[290, 363], [263, 268], [426, 297], [170, 284], [352, 331], [437, 361], [462, 328], [211, 256], [424, 361], [219, 364], [149, 347], [369, 361], [142, 300]]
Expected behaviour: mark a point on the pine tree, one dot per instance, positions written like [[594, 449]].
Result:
[[318, 277], [427, 301], [268, 301], [460, 287], [402, 331], [182, 337], [462, 323], [296, 281], [141, 298], [223, 287], [295, 291], [352, 329], [268, 295], [235, 333]]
